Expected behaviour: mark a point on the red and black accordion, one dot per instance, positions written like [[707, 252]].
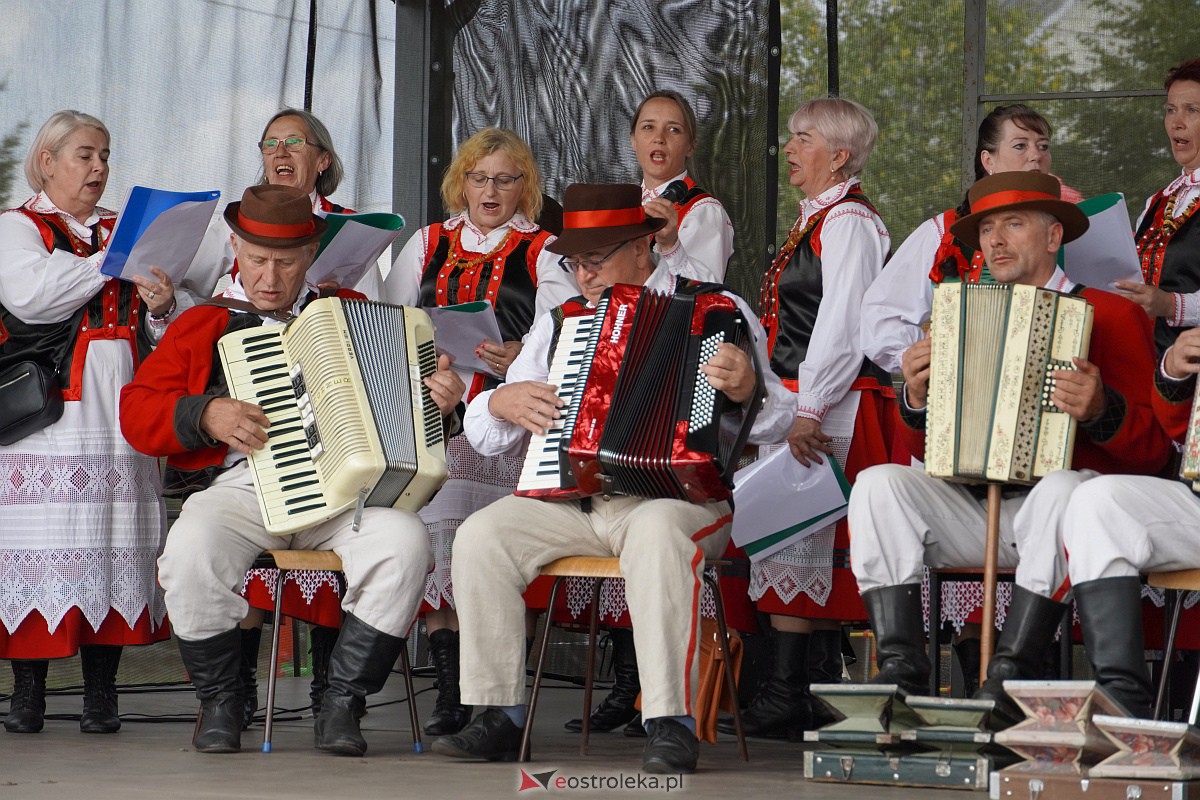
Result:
[[641, 418]]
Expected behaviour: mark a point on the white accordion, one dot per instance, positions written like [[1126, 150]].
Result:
[[994, 351], [352, 423], [1189, 467]]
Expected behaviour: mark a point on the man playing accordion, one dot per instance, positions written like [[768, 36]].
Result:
[[662, 543], [1120, 525], [902, 519], [178, 406]]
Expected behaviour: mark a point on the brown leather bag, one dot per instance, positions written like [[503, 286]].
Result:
[[712, 696]]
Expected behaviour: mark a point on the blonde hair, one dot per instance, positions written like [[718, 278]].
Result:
[[482, 145], [845, 124], [51, 138]]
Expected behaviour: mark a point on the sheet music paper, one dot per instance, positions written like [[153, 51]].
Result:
[[461, 328], [778, 501], [1106, 252], [351, 244], [158, 228]]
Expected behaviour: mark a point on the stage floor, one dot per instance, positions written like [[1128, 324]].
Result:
[[151, 757]]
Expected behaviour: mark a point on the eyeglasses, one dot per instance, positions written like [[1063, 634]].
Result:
[[501, 182], [590, 264], [291, 143]]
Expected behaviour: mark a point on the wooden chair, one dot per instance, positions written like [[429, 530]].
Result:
[[938, 576], [1175, 583], [606, 568], [326, 560]]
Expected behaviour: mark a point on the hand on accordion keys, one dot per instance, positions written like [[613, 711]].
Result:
[[239, 424], [915, 366], [445, 387], [1079, 392], [730, 371], [531, 404], [1182, 359]]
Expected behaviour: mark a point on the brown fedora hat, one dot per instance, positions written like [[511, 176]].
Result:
[[275, 216], [598, 215], [1020, 191]]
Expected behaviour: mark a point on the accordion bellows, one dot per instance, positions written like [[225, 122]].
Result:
[[994, 352], [351, 419]]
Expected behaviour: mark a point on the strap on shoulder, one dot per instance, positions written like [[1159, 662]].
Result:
[[250, 308]]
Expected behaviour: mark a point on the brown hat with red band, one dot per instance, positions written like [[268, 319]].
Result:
[[275, 216], [1019, 191], [598, 215]]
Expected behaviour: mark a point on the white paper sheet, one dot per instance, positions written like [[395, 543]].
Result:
[[158, 228], [352, 245], [459, 329], [778, 502], [1106, 253]]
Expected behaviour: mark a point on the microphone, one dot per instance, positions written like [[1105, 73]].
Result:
[[676, 191]]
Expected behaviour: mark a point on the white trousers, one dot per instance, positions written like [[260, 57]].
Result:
[[220, 532], [1120, 525], [662, 545], [901, 520]]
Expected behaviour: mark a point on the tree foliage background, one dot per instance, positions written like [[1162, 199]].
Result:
[[904, 62], [10, 159]]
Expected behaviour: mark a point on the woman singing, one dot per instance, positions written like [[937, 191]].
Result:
[[490, 249], [810, 304], [81, 519]]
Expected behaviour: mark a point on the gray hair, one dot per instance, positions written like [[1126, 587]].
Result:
[[51, 138], [318, 136], [845, 124]]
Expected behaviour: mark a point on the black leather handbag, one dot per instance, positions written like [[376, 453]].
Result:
[[30, 399]]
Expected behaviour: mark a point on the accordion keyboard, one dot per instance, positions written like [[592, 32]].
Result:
[[541, 469], [286, 470]]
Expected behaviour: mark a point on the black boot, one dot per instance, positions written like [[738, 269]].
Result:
[[1028, 632], [213, 665], [449, 714], [360, 664], [491, 736], [617, 708], [826, 651], [781, 709], [825, 656], [248, 670], [898, 622], [321, 642], [1110, 613], [967, 653], [100, 664], [27, 707]]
